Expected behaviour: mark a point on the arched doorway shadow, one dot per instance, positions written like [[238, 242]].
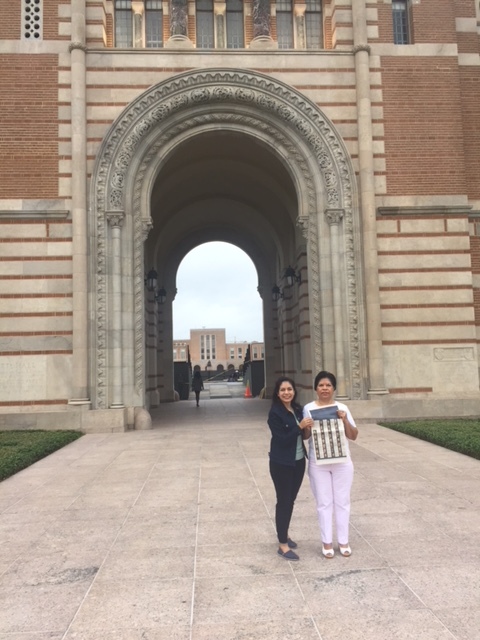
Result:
[[286, 173]]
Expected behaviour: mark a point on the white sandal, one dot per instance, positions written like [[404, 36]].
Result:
[[328, 553], [345, 551]]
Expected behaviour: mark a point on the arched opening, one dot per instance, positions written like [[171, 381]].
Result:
[[232, 156], [222, 187], [217, 315]]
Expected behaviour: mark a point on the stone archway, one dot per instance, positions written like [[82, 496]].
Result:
[[131, 157]]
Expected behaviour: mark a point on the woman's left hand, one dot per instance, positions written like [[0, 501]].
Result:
[[306, 423]]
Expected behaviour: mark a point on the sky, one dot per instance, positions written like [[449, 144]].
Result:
[[217, 289]]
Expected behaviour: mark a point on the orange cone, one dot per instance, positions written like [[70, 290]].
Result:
[[248, 393]]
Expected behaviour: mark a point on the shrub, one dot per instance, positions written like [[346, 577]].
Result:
[[461, 435], [20, 449]]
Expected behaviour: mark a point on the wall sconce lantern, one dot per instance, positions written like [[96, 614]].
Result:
[[151, 280], [277, 293], [291, 277], [161, 296]]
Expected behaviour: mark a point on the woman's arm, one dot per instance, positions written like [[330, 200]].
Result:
[[283, 426], [351, 430]]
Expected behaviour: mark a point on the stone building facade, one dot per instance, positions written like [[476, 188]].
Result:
[[209, 350], [336, 138]]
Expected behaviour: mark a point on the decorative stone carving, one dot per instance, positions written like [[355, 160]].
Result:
[[115, 218], [361, 47], [178, 18], [250, 102], [302, 224], [261, 18], [454, 354], [334, 216], [77, 45]]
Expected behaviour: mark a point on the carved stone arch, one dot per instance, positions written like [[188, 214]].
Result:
[[295, 129]]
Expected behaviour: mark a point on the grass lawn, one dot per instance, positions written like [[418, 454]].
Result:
[[20, 449], [459, 434]]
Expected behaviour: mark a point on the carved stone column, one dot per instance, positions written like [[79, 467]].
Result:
[[80, 390], [300, 29], [220, 9], [138, 17], [179, 26], [334, 218], [367, 198], [115, 220], [262, 38]]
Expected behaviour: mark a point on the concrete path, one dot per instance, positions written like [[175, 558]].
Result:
[[168, 535]]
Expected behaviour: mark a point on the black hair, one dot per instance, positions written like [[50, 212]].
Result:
[[276, 389], [325, 374]]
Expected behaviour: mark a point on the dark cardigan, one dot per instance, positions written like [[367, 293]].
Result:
[[285, 432]]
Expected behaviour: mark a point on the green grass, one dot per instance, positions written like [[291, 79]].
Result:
[[462, 435], [20, 449]]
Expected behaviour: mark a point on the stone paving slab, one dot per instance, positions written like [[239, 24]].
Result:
[[169, 534]]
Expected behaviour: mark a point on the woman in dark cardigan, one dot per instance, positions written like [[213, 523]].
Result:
[[287, 457]]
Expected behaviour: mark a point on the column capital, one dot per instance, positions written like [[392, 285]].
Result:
[[334, 216], [77, 45], [302, 223], [115, 218], [147, 226], [361, 47]]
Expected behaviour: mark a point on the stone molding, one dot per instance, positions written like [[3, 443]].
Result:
[[240, 100], [431, 210], [77, 45]]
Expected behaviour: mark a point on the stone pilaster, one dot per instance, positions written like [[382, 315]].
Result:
[[115, 220], [138, 9], [220, 9], [367, 198], [334, 218], [80, 390]]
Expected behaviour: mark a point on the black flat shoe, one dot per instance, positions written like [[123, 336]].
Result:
[[292, 544], [288, 555]]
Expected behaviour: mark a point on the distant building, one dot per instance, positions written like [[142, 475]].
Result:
[[210, 351]]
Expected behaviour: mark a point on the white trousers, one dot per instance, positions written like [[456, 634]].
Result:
[[331, 485]]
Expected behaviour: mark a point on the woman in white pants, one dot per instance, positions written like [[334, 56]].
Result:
[[331, 483]]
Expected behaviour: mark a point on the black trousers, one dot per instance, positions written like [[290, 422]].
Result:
[[287, 481]]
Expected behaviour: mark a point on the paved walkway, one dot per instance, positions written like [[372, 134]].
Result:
[[168, 535]]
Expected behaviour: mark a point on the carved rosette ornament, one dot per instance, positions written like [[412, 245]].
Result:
[[244, 101]]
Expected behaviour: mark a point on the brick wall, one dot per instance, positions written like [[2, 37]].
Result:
[[423, 126], [470, 110], [51, 20], [434, 21], [29, 139], [385, 23], [11, 20]]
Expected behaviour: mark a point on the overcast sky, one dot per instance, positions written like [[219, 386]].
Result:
[[217, 289]]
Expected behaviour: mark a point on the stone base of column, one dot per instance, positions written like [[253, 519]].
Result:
[[178, 42], [263, 42], [82, 403]]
